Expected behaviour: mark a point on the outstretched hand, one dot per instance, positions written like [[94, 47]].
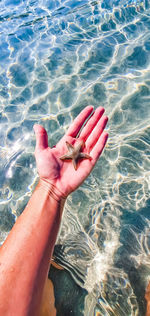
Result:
[[62, 173]]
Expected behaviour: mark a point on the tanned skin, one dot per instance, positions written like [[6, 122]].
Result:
[[147, 297]]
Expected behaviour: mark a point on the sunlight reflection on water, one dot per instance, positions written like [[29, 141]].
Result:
[[57, 57]]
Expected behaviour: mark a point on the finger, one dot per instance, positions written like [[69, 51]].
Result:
[[98, 148], [41, 137], [79, 121], [92, 123], [95, 134]]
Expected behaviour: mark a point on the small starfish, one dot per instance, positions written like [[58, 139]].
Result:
[[75, 154]]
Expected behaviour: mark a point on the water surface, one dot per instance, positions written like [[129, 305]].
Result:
[[56, 57]]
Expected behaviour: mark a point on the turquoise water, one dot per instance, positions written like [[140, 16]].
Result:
[[56, 57]]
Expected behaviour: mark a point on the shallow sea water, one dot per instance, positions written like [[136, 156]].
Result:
[[56, 57]]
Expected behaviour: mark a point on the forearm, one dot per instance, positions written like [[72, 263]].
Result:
[[147, 297], [148, 309], [25, 255]]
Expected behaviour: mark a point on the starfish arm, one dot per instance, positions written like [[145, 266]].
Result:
[[84, 156], [69, 147], [79, 146], [74, 163], [66, 156]]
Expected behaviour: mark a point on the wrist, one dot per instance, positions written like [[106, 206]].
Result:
[[52, 190]]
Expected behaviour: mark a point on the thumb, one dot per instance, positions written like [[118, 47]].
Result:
[[41, 137]]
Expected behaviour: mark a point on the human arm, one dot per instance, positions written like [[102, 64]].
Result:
[[25, 255], [147, 298]]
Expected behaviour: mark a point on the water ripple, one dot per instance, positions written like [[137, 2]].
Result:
[[56, 57]]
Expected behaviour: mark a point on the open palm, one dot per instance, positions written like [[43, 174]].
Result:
[[62, 173]]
